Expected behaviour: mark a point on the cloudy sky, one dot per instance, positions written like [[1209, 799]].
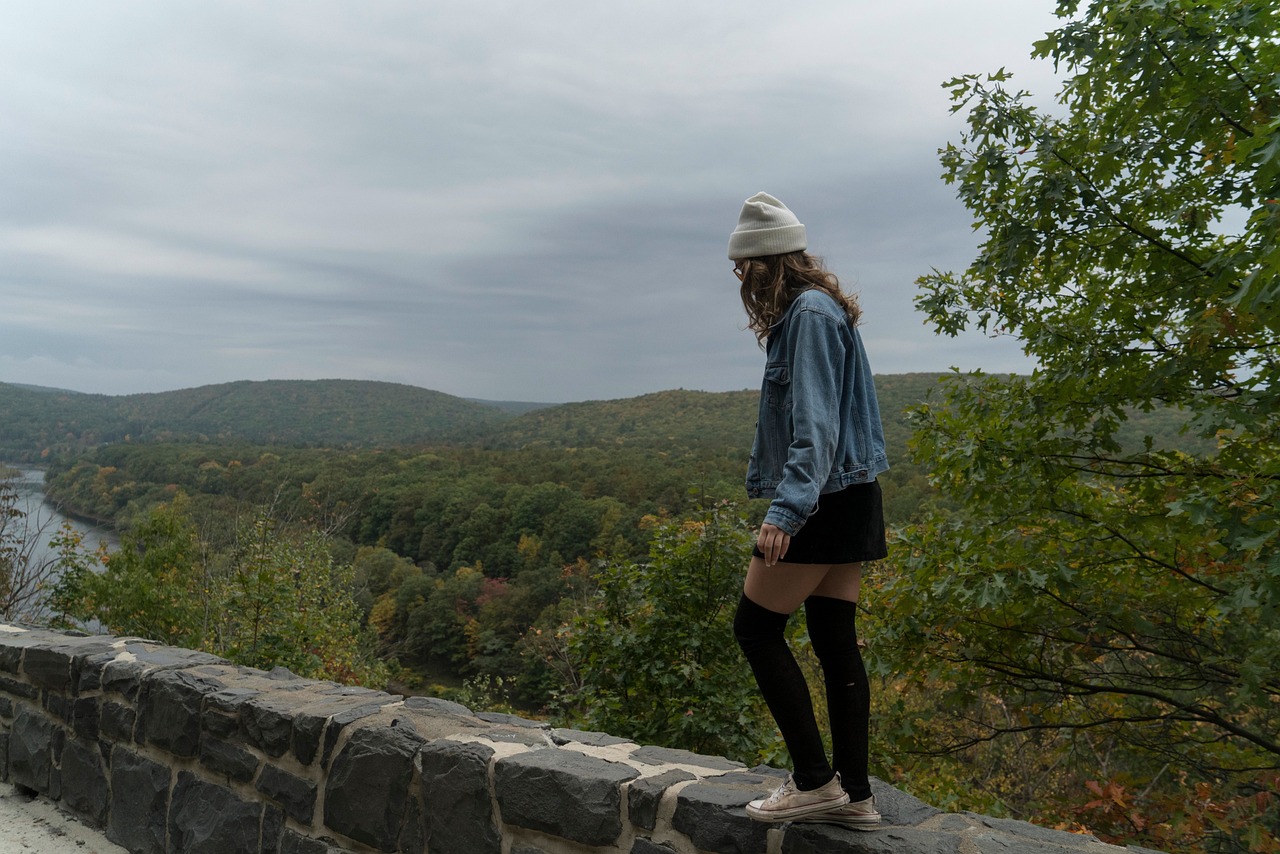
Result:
[[503, 199]]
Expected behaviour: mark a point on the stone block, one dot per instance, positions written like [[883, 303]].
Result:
[[10, 657], [898, 807], [511, 720], [564, 793], [89, 671], [81, 646], [645, 795], [828, 839], [711, 813], [650, 755], [85, 716], [272, 827], [4, 757], [515, 735], [562, 737], [139, 802], [56, 666], [1021, 830], [84, 781], [368, 785], [267, 723], [413, 833], [341, 721], [122, 676], [311, 718], [293, 843], [296, 795], [55, 783], [124, 673], [6, 707], [458, 809], [32, 751], [1007, 842], [280, 673], [221, 714], [334, 689], [648, 846], [953, 822], [435, 704], [19, 690], [307, 732], [86, 670], [230, 760], [207, 819], [116, 721], [57, 705], [154, 656], [169, 706]]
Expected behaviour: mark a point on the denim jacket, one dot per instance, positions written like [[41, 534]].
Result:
[[819, 428]]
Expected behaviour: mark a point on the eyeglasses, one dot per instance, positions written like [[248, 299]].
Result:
[[739, 270]]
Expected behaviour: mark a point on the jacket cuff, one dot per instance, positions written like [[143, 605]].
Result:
[[783, 518]]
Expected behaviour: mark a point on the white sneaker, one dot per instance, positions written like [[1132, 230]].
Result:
[[860, 815], [788, 802]]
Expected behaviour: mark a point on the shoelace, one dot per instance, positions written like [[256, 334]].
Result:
[[779, 793]]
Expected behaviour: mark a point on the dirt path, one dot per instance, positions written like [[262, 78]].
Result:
[[36, 826]]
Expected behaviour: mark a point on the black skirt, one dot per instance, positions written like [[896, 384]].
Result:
[[847, 527]]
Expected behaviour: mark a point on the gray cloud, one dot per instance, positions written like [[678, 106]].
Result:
[[512, 200]]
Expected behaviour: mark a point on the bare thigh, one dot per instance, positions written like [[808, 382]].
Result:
[[783, 587]]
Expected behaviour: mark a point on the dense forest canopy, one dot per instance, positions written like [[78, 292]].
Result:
[[647, 452]]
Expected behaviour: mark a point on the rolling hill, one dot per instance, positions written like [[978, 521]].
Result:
[[37, 423], [329, 413]]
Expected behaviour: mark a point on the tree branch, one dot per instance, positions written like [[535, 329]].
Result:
[[1194, 711]]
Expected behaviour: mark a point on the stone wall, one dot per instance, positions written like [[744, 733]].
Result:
[[176, 751]]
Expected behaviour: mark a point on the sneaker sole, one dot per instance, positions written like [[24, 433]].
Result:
[[794, 812], [852, 824]]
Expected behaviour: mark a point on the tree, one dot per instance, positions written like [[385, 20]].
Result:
[[282, 600], [654, 657], [154, 586], [1130, 244], [274, 597]]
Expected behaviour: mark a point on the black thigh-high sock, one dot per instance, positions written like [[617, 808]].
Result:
[[761, 634], [835, 641]]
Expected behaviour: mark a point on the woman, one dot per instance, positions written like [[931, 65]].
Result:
[[818, 448]]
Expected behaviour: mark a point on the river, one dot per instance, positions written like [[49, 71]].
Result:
[[43, 518]]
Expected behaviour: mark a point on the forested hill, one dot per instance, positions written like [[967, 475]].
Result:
[[663, 420], [326, 413], [37, 422], [687, 420]]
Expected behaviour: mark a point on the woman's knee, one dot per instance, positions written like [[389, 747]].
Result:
[[755, 624], [832, 626]]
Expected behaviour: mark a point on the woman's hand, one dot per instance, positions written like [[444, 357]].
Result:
[[773, 542]]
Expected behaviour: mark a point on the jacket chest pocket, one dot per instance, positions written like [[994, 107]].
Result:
[[777, 385]]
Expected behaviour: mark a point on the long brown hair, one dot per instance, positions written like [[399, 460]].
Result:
[[770, 284]]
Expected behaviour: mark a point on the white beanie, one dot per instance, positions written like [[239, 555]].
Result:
[[766, 227]]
